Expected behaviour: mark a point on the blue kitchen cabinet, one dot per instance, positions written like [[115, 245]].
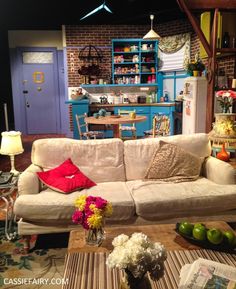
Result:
[[140, 126], [78, 107]]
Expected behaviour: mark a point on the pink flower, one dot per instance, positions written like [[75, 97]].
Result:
[[226, 93], [77, 217], [91, 199], [92, 207], [101, 203], [85, 223]]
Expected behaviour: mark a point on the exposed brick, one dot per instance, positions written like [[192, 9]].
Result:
[[78, 36]]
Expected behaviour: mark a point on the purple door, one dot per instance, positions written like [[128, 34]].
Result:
[[40, 92]]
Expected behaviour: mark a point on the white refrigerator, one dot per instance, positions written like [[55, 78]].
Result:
[[194, 105]]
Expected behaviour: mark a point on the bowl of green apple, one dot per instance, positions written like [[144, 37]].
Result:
[[208, 238]]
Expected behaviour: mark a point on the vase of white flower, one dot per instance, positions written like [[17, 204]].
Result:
[[131, 282], [137, 256]]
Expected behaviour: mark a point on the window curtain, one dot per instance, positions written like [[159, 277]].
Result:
[[173, 52]]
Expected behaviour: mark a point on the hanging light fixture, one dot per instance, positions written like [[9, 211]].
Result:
[[151, 35], [102, 6]]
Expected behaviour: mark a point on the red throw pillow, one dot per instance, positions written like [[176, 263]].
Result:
[[65, 178]]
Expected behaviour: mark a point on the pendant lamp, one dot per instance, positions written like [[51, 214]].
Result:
[[151, 35], [102, 6]]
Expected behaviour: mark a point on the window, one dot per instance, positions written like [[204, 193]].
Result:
[[37, 57]]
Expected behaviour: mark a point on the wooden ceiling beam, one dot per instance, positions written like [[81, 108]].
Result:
[[211, 4], [193, 20]]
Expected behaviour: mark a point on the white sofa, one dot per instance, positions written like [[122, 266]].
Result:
[[118, 169]]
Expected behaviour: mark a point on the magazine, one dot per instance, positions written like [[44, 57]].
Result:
[[207, 274]]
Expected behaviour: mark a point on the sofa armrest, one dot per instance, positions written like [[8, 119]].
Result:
[[28, 182], [219, 172]]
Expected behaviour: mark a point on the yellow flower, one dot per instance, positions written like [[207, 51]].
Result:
[[80, 202], [94, 209], [108, 210], [95, 221]]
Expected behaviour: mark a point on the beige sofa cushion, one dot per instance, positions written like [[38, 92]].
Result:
[[100, 160], [50, 205], [171, 163], [153, 199], [138, 153]]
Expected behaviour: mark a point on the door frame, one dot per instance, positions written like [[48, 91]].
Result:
[[18, 87]]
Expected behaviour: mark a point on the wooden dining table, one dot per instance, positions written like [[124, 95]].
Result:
[[115, 120]]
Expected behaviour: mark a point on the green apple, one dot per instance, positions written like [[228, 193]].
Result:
[[214, 236], [229, 237], [199, 233], [186, 228], [198, 225]]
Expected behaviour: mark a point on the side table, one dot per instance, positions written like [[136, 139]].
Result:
[[7, 204]]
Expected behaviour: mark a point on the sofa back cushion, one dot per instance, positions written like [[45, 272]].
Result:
[[138, 153], [100, 160]]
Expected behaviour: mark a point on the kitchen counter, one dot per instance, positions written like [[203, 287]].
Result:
[[162, 104]]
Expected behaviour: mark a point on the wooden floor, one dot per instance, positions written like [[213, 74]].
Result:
[[23, 160]]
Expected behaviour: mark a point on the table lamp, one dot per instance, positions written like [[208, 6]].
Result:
[[11, 145]]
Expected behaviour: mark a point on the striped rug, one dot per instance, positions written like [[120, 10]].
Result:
[[89, 270]]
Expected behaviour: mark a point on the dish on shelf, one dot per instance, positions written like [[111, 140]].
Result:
[[223, 246]]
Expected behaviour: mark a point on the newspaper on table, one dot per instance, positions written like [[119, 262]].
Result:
[[207, 274]]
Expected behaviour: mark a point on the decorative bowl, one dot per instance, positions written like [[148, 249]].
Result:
[[223, 246]]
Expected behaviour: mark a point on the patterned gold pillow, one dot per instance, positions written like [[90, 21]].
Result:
[[170, 163]]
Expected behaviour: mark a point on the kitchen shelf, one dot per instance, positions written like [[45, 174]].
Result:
[[147, 57], [116, 85], [128, 52], [131, 73], [128, 63]]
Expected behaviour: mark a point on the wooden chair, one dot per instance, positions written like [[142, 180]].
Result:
[[88, 134], [131, 127], [160, 126]]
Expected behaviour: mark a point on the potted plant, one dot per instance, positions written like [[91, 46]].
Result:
[[196, 67]]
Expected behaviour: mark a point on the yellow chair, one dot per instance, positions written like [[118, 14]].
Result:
[[131, 127], [86, 134], [160, 126]]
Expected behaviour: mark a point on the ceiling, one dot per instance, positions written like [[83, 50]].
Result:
[[51, 14]]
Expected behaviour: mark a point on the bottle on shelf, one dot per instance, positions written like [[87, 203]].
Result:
[[226, 40], [166, 96]]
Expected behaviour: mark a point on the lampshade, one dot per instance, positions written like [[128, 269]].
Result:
[[151, 35], [11, 143]]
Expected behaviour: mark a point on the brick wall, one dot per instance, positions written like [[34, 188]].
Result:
[[101, 35], [78, 36]]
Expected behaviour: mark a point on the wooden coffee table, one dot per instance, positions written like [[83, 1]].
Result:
[[85, 267], [163, 233]]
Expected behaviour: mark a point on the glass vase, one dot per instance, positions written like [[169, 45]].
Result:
[[131, 282], [94, 237]]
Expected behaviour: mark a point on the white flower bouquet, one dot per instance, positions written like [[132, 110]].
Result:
[[137, 255]]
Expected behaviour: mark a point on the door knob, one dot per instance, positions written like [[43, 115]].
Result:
[[27, 104], [25, 91]]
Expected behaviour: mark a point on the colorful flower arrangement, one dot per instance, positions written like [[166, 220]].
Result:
[[226, 99], [137, 255], [90, 211], [197, 64]]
